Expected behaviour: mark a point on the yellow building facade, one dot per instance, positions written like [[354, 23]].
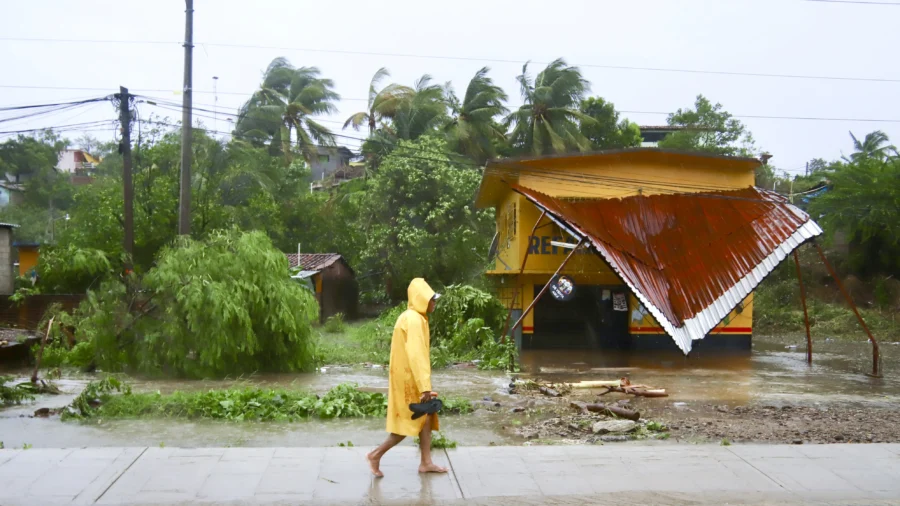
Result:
[[604, 175]]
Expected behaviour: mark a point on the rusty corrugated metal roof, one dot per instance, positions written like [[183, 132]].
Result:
[[689, 258], [312, 261]]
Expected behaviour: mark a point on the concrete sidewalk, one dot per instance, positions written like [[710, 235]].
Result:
[[611, 474]]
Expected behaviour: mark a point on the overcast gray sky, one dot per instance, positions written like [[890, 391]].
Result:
[[794, 37]]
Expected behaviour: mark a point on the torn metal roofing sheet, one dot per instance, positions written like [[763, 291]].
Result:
[[312, 261], [689, 258]]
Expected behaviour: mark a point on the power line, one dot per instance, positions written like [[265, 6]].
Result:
[[37, 106], [58, 128], [489, 60], [855, 2]]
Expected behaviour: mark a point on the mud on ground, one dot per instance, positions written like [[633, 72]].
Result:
[[555, 421]]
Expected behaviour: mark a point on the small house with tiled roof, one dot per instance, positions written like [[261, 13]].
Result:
[[333, 280]]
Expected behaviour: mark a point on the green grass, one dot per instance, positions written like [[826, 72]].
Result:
[[335, 324], [439, 441], [356, 343], [777, 309]]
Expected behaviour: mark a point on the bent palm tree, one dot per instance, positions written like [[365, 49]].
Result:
[[548, 121], [382, 104], [283, 107], [874, 145], [419, 112], [472, 130]]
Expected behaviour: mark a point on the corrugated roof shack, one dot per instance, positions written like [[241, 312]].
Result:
[[335, 282]]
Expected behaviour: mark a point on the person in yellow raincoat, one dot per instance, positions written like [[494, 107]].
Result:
[[410, 379]]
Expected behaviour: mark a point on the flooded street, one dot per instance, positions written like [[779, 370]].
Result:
[[772, 376]]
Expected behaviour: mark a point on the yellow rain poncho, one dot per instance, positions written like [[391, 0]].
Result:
[[410, 369]]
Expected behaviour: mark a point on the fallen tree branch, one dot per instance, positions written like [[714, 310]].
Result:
[[40, 354], [637, 390], [614, 411]]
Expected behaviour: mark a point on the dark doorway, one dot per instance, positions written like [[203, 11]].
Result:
[[589, 320]]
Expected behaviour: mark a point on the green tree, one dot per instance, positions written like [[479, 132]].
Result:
[[26, 157], [874, 145], [420, 220], [284, 107], [420, 112], [864, 202], [607, 131], [472, 129], [548, 121], [708, 128], [227, 306], [817, 165], [382, 105]]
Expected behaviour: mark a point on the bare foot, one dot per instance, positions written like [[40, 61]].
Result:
[[374, 464], [432, 468]]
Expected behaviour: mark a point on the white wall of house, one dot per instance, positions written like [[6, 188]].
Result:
[[67, 161]]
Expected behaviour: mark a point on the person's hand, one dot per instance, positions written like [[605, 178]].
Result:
[[427, 396]]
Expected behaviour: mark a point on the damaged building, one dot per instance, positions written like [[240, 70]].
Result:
[[635, 248]]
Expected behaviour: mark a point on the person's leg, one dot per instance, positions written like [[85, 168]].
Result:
[[427, 466], [374, 457]]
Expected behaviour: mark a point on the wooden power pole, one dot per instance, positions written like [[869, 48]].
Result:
[[128, 190], [184, 200]]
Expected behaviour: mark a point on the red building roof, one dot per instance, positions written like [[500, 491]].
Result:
[[689, 258], [312, 261]]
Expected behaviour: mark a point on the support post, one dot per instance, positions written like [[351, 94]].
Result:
[[875, 356], [805, 314], [546, 286], [128, 186], [184, 195], [512, 302]]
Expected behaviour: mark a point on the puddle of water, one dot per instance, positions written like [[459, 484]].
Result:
[[771, 374]]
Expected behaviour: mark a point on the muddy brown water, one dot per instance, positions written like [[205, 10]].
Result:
[[773, 374]]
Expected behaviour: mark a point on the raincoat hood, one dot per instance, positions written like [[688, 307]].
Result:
[[419, 295]]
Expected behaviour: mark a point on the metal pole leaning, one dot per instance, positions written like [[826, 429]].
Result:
[[875, 356], [543, 290], [805, 314]]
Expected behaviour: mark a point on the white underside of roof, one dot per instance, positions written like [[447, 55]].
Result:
[[699, 326]]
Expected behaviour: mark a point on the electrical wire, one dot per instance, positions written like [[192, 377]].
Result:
[[73, 126], [864, 2], [485, 60], [36, 106], [46, 109]]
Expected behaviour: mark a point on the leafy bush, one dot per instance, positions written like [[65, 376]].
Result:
[[14, 394], [227, 307], [438, 441], [335, 324], [456, 406], [242, 404], [458, 305], [93, 395], [71, 269], [221, 306]]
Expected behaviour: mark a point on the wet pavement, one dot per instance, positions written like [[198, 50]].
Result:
[[688, 474], [774, 373]]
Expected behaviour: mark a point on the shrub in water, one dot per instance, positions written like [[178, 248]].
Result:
[[335, 324]]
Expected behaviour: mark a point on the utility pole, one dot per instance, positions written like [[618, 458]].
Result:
[[184, 200], [216, 104], [125, 148]]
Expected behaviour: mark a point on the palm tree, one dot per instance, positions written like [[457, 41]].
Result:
[[548, 121], [283, 107], [874, 145], [472, 130], [382, 104], [420, 112]]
